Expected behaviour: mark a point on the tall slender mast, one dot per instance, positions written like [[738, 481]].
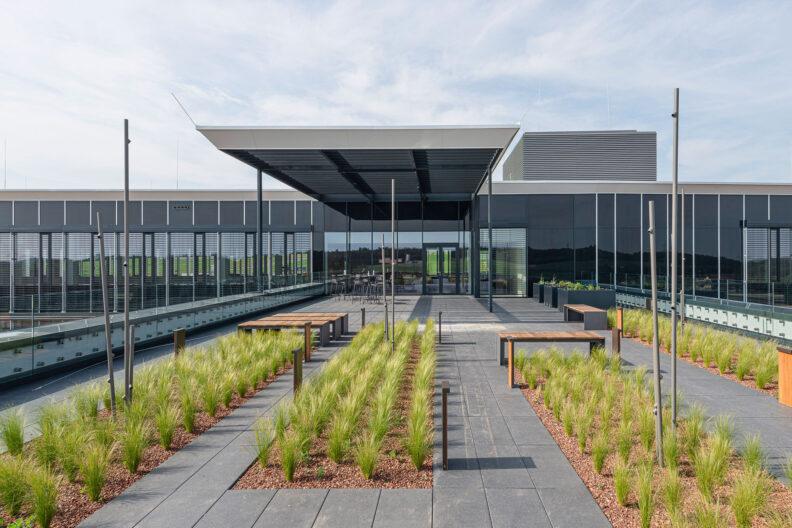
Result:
[[655, 340], [393, 265], [127, 347], [674, 235]]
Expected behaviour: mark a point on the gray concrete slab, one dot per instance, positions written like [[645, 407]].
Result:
[[236, 508], [516, 508], [292, 508], [404, 508], [348, 508], [460, 507]]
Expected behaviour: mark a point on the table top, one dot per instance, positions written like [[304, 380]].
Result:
[[583, 308], [551, 336]]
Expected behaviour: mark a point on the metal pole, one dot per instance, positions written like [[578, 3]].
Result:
[[674, 314], [106, 306], [131, 361], [682, 285], [655, 341], [127, 347], [259, 229], [393, 265], [489, 231], [384, 294]]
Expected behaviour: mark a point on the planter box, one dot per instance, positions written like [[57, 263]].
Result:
[[538, 292], [550, 295], [602, 299]]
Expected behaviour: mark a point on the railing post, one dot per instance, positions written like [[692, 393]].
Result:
[[307, 341], [362, 318], [178, 341], [297, 369], [511, 363], [446, 388], [440, 327]]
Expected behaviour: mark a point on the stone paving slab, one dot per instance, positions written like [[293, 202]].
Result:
[[292, 509], [404, 508], [454, 507], [516, 508], [236, 508], [348, 508]]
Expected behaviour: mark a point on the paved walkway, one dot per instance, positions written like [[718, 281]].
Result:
[[505, 468]]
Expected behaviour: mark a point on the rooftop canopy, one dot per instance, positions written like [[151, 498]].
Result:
[[358, 163]]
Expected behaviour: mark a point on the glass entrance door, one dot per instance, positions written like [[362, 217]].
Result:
[[441, 269]]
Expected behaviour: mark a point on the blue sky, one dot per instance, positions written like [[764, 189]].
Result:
[[70, 73]]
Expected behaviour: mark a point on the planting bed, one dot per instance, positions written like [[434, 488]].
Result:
[[365, 421], [236, 369], [577, 399], [750, 362]]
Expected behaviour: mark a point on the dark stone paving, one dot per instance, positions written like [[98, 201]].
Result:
[[505, 469]]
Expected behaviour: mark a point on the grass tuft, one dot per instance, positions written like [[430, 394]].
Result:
[[43, 496], [599, 450], [645, 501], [134, 441], [754, 455], [708, 514], [672, 493], [94, 464], [166, 419], [749, 495], [670, 448], [290, 445], [624, 440], [711, 464], [12, 430], [366, 454], [621, 482], [265, 439], [13, 484]]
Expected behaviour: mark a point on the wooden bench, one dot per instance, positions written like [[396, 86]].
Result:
[[339, 320], [276, 324], [592, 338], [593, 318]]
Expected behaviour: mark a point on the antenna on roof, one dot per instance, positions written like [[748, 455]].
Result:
[[184, 110]]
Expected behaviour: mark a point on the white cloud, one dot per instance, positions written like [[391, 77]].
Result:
[[69, 75]]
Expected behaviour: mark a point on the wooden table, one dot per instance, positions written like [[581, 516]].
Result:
[[593, 318], [339, 320], [592, 338]]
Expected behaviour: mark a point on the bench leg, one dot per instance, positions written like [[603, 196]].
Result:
[[511, 364], [324, 334], [501, 359]]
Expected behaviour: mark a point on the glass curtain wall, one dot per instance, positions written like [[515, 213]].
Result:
[[661, 241], [731, 270], [705, 244], [628, 240], [182, 268], [78, 272], [51, 273], [605, 239]]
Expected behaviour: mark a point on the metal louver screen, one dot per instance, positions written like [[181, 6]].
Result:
[[78, 272], [5, 272]]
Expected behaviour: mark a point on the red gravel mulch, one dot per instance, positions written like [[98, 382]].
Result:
[[74, 506], [317, 470]]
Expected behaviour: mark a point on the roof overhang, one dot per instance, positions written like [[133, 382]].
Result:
[[358, 163]]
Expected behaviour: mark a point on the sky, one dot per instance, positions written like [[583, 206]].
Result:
[[70, 72]]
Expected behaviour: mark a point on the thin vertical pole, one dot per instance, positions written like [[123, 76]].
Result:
[[127, 346], [674, 314], [655, 341], [384, 294], [106, 307], [682, 285], [393, 265], [259, 229], [489, 231]]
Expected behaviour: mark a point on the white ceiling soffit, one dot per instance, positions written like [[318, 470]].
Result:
[[342, 138]]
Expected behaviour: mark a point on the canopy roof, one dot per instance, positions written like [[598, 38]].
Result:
[[358, 163]]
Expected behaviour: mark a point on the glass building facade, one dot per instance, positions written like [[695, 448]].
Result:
[[193, 245]]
